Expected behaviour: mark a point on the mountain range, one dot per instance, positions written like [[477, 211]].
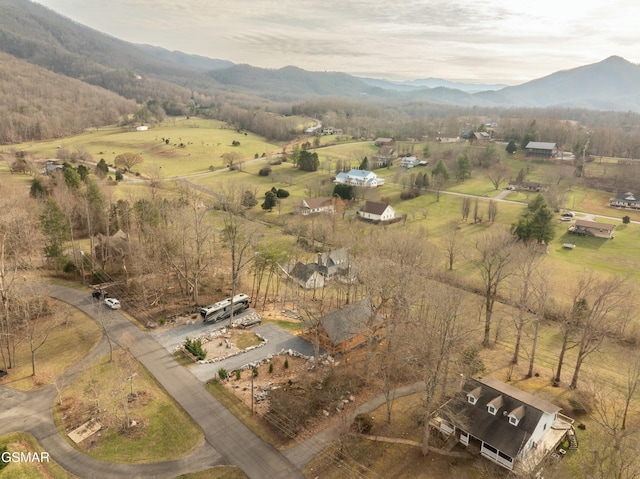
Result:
[[40, 36]]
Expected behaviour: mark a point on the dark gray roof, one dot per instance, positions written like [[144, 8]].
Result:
[[540, 145], [628, 196], [303, 271], [496, 429], [374, 207], [345, 323], [335, 257]]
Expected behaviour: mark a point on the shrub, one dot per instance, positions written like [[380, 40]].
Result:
[[194, 346], [222, 373], [266, 171], [282, 193], [409, 194], [254, 371], [238, 374], [270, 368], [363, 423], [286, 363]]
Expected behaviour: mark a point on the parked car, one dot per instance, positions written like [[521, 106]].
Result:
[[568, 214], [566, 218], [113, 303]]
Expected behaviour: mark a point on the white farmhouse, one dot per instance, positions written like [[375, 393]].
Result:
[[377, 212], [364, 178]]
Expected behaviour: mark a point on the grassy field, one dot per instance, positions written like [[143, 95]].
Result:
[[70, 326], [23, 442], [204, 142], [163, 431]]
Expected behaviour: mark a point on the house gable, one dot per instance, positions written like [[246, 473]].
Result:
[[347, 328], [376, 211], [485, 410]]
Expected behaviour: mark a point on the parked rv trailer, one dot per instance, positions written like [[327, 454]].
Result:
[[222, 309]]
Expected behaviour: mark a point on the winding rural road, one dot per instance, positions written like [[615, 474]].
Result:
[[227, 440]]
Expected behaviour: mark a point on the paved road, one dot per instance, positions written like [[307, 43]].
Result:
[[228, 441]]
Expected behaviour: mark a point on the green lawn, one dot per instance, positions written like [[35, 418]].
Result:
[[24, 442], [70, 326], [163, 431]]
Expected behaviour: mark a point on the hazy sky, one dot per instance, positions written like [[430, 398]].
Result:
[[506, 41]]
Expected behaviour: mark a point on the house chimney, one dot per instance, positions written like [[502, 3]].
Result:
[[319, 259]]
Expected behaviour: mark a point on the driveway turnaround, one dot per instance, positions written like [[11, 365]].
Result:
[[228, 441]]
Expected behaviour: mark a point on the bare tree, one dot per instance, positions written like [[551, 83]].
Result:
[[526, 279], [498, 174], [194, 242], [39, 325], [452, 243], [494, 261], [237, 233], [127, 160], [466, 208], [435, 331], [614, 446], [602, 303]]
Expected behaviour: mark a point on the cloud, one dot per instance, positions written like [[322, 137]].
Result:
[[455, 39]]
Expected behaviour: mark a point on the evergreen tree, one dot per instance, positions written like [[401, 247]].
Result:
[[102, 169], [536, 222], [463, 168], [270, 200], [364, 165], [512, 147], [308, 161], [56, 229], [346, 192]]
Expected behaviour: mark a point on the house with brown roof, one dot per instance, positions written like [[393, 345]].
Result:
[[383, 158], [347, 328], [592, 228], [510, 427], [377, 212], [309, 206]]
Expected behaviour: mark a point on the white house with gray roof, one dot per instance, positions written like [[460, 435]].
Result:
[[510, 427]]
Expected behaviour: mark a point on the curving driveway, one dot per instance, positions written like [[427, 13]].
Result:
[[227, 440]]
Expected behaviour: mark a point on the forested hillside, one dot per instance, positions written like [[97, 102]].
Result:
[[36, 103]]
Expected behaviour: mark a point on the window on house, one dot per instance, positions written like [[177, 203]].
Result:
[[513, 420], [545, 427], [472, 399], [504, 456], [492, 410]]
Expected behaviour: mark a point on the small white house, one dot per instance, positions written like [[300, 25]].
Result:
[[411, 162], [364, 178], [142, 128], [376, 211], [310, 206]]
